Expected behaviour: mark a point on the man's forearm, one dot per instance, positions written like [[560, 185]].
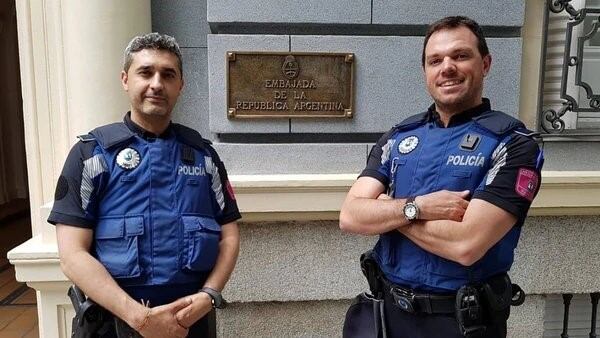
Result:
[[95, 281], [443, 238], [369, 216], [229, 248], [464, 242]]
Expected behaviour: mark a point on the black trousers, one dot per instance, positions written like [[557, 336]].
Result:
[[204, 328], [401, 324]]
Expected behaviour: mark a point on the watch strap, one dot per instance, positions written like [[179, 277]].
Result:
[[217, 299]]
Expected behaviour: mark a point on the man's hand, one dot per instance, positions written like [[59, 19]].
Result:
[[162, 321], [443, 205], [200, 306]]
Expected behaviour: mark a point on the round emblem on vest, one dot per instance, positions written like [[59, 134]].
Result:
[[408, 144], [128, 159]]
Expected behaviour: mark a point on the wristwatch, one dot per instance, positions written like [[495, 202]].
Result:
[[410, 210], [217, 300]]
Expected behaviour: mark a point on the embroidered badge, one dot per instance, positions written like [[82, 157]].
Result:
[[408, 144], [386, 150], [128, 159], [527, 183]]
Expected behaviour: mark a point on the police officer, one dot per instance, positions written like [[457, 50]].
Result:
[[144, 212], [447, 191]]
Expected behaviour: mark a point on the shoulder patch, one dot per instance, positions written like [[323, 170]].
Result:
[[112, 134], [527, 183], [412, 121], [498, 122]]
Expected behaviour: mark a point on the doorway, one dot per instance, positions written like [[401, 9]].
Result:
[[18, 314]]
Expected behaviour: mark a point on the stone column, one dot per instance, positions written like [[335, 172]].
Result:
[[70, 56], [70, 53]]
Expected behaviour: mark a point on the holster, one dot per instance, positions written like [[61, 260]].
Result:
[[366, 316], [125, 331], [371, 270], [480, 305], [469, 312], [497, 295], [91, 320]]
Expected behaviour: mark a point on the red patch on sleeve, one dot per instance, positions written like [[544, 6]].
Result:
[[527, 183], [230, 190]]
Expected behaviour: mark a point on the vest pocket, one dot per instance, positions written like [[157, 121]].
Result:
[[117, 245], [201, 242], [461, 173]]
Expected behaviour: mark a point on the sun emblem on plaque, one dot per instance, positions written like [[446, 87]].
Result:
[[128, 158], [290, 67]]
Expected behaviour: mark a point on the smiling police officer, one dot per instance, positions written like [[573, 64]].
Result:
[[143, 209], [448, 190]]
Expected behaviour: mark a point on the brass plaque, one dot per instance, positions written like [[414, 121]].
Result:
[[284, 85]]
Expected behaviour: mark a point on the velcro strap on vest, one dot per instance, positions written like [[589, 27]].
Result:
[[86, 138], [112, 134], [187, 154], [498, 122]]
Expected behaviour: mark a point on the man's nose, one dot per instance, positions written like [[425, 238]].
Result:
[[156, 83], [448, 66]]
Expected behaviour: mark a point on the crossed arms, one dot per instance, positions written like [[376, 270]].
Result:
[[449, 226], [170, 320]]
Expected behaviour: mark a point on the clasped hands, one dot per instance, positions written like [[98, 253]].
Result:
[[174, 319]]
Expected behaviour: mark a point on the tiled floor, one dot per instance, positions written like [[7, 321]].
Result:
[[18, 312]]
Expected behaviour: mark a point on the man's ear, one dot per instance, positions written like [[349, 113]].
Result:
[[124, 79], [487, 64]]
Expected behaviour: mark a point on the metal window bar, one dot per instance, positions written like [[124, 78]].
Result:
[[551, 120]]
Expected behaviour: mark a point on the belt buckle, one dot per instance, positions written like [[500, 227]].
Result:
[[405, 299]]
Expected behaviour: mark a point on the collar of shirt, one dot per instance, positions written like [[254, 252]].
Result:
[[464, 116], [143, 132]]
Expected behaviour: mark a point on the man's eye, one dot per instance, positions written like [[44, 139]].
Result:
[[462, 56], [434, 62]]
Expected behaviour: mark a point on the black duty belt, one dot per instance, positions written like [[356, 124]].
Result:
[[414, 302]]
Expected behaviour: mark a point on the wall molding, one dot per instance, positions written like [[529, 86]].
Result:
[[319, 197]]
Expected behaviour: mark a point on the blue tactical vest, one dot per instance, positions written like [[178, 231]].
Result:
[[156, 214], [426, 158]]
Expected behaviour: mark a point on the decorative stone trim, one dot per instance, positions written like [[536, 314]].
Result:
[[306, 197]]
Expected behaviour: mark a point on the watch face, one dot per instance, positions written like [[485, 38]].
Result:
[[410, 211]]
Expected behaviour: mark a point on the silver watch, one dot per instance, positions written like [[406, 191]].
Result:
[[410, 210]]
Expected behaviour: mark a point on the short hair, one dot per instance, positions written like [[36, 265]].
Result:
[[155, 41], [451, 22]]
